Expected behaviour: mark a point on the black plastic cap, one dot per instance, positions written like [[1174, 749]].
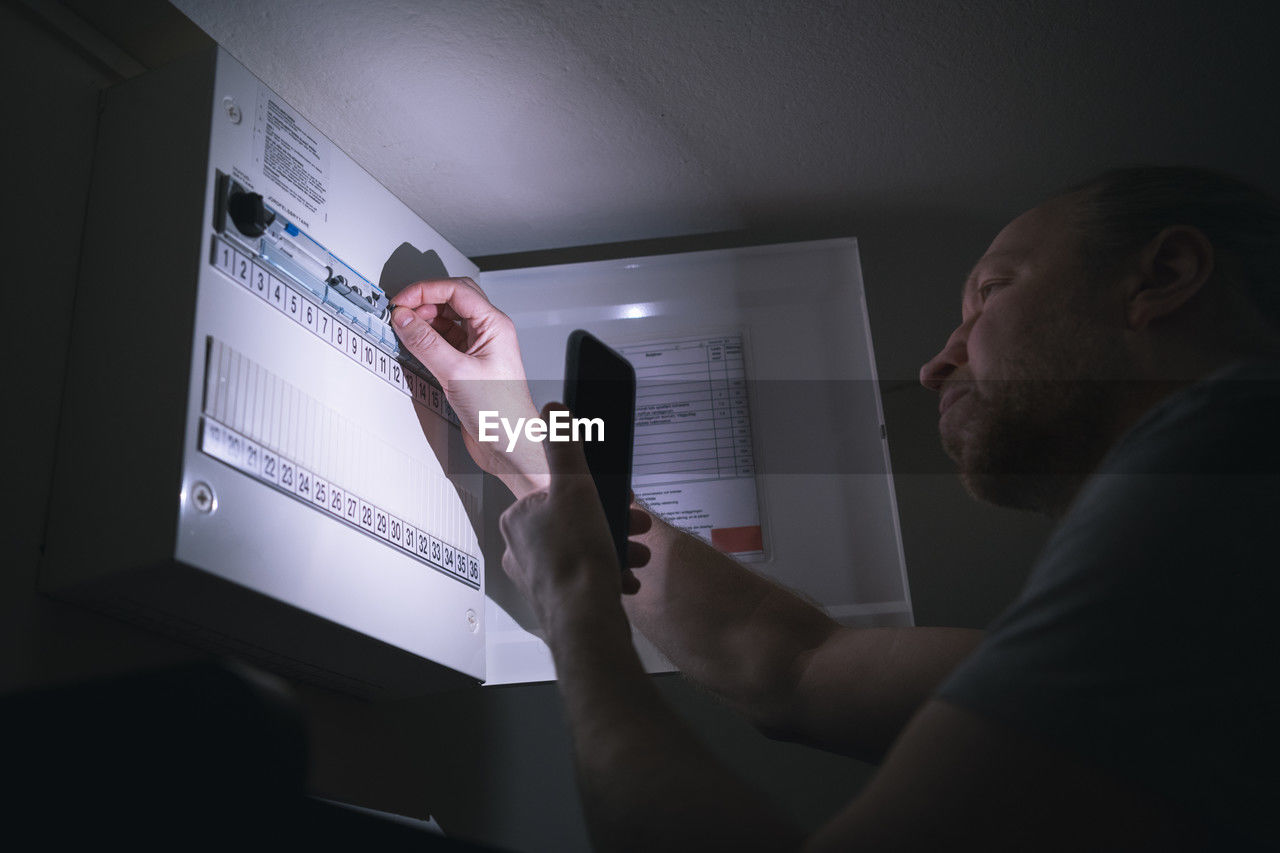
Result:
[[248, 213]]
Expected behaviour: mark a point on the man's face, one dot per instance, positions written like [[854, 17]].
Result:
[[1023, 408]]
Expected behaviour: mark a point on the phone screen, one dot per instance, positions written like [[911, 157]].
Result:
[[601, 384]]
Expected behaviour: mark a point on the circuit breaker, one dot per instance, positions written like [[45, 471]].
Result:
[[248, 457]]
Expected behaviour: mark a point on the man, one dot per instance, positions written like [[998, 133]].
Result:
[[1115, 367]]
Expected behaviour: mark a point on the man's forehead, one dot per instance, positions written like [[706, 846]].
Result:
[[1027, 229], [1003, 257], [1023, 236]]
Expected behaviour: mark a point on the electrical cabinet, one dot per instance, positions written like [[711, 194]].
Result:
[[249, 459]]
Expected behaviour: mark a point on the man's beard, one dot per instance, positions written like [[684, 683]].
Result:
[[1029, 444]]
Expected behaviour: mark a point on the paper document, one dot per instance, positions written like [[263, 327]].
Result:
[[694, 464]]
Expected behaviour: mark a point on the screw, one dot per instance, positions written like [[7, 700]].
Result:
[[233, 111], [473, 621], [202, 496]]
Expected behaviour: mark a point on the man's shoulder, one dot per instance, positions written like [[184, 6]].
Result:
[[1142, 639], [1193, 485], [1224, 424]]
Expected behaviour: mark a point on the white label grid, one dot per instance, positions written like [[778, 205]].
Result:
[[267, 428]]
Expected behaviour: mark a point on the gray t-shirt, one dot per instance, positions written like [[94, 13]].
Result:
[[1145, 639]]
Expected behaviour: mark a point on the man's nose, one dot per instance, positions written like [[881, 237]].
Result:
[[952, 355]]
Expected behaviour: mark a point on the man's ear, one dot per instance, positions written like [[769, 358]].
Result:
[[1173, 267]]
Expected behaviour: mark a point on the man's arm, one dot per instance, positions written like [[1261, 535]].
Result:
[[791, 669], [470, 347], [954, 779], [958, 780], [647, 782]]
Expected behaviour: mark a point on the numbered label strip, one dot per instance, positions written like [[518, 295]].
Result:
[[268, 428], [299, 305], [287, 476]]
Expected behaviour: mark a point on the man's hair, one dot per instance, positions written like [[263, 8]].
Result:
[[1122, 209]]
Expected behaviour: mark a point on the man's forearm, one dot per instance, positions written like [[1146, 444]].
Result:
[[782, 662], [647, 783], [731, 630]]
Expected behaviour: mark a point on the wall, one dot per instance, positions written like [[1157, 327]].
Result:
[[48, 154], [494, 763]]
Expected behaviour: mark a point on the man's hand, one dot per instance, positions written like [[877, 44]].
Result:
[[559, 552], [647, 783], [471, 348]]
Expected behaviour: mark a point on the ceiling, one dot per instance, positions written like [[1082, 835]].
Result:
[[515, 125]]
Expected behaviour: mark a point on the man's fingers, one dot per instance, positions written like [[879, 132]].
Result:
[[637, 555], [418, 336], [460, 294], [640, 522], [452, 332]]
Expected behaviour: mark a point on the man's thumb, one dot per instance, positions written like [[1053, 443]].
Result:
[[564, 457], [424, 342]]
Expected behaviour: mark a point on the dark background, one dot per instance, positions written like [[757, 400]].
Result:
[[920, 132]]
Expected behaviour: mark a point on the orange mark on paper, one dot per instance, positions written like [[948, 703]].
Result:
[[737, 540]]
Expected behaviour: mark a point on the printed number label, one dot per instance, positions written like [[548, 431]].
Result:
[[213, 438], [229, 446]]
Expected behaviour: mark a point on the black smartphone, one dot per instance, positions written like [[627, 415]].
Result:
[[600, 392]]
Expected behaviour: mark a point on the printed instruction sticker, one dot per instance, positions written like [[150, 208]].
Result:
[[294, 158]]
